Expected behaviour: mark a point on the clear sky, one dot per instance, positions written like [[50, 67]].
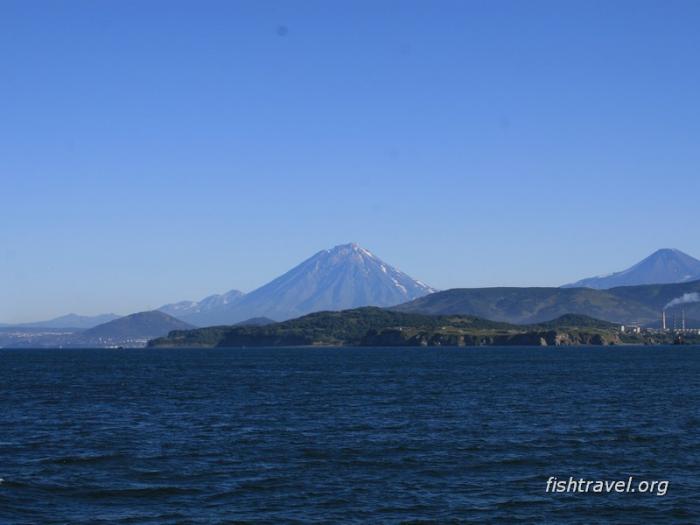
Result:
[[154, 151]]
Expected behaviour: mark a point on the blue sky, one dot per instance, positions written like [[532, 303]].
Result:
[[159, 151]]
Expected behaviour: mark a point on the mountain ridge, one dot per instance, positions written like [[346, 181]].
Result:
[[199, 312], [625, 304]]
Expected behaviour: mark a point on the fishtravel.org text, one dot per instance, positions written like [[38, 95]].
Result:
[[581, 486]]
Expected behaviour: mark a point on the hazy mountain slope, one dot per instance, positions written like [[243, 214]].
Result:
[[341, 278], [142, 325], [73, 321], [662, 267]]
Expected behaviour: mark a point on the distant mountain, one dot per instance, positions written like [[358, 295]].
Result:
[[130, 331], [135, 327], [626, 304], [344, 277], [662, 267], [206, 311], [81, 322]]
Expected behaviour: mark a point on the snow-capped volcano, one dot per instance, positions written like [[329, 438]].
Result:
[[347, 276], [662, 267]]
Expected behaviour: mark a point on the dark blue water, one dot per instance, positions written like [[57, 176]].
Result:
[[346, 435]]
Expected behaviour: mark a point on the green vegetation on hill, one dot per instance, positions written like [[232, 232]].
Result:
[[380, 327], [256, 321], [577, 321], [526, 305]]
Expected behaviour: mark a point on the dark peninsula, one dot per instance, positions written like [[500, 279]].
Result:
[[381, 327]]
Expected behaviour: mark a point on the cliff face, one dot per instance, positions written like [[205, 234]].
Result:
[[397, 337]]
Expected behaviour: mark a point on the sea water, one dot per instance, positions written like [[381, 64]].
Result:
[[347, 434]]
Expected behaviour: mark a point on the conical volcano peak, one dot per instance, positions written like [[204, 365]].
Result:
[[348, 252], [665, 266], [345, 276], [669, 253], [351, 247]]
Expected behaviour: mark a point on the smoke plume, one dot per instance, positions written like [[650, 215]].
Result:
[[685, 299]]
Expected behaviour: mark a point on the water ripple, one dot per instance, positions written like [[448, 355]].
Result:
[[346, 435]]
